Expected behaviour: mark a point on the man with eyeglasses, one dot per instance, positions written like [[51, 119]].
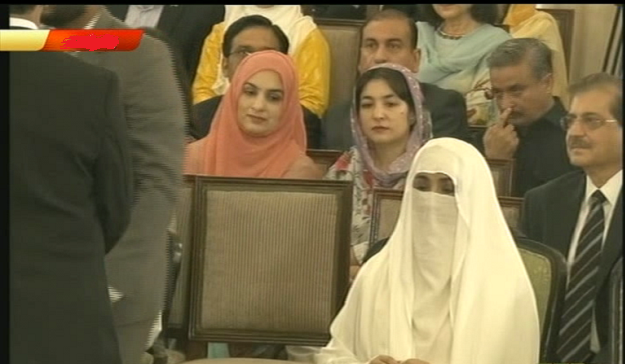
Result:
[[528, 129], [581, 215]]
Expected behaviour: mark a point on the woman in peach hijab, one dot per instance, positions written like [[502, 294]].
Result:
[[258, 129]]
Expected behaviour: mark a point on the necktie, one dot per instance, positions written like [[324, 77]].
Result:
[[575, 330]]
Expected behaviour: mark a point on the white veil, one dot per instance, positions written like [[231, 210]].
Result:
[[491, 315]]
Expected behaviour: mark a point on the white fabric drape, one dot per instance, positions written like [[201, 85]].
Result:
[[450, 286]]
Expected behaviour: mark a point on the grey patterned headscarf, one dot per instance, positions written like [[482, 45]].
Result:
[[421, 132]]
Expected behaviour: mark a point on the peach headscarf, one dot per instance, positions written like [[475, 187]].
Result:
[[228, 151]]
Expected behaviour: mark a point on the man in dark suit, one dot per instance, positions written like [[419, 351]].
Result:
[[153, 107], [528, 129], [186, 25], [390, 36], [580, 214], [71, 199]]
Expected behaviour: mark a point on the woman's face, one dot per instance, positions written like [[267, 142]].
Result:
[[434, 182], [261, 104], [383, 114], [452, 11]]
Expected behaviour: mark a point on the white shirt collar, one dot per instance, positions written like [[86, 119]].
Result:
[[92, 22], [21, 22], [610, 189]]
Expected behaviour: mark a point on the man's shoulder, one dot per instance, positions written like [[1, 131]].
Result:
[[431, 91], [147, 43], [64, 66], [560, 185]]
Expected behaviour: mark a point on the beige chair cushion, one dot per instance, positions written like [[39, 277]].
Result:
[[273, 236], [389, 213]]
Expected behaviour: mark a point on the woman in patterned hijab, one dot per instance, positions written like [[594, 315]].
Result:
[[390, 124]]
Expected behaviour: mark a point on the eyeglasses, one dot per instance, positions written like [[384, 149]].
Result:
[[241, 53], [589, 122]]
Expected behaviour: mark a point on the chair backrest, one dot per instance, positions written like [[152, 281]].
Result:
[[343, 36], [387, 204], [503, 175], [270, 259], [182, 225], [512, 209], [566, 21], [546, 268], [324, 158], [616, 312], [384, 213]]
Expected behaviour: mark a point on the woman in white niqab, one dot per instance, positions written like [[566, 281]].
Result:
[[450, 286]]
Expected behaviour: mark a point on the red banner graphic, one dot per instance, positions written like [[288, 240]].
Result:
[[101, 40]]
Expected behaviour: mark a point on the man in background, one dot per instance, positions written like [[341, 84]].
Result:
[[528, 129], [137, 267]]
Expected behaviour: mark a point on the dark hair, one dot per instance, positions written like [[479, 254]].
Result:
[[514, 51], [21, 9], [393, 14], [253, 21], [395, 80], [602, 81], [481, 13]]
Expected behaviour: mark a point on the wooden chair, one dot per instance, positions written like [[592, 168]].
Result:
[[182, 225], [384, 212], [512, 209], [503, 175], [270, 261], [616, 312], [343, 36], [324, 158], [566, 21], [546, 268], [387, 204]]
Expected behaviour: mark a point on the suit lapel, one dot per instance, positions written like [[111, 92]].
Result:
[[564, 210], [612, 248], [119, 11], [169, 18]]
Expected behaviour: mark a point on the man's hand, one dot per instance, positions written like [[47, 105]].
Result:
[[383, 359], [500, 140]]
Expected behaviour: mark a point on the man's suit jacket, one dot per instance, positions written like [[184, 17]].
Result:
[[447, 108], [550, 214], [187, 25], [71, 199], [153, 108]]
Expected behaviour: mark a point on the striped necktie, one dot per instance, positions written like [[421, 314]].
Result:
[[575, 330]]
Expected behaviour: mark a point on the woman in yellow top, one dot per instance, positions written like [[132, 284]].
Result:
[[308, 47], [525, 21]]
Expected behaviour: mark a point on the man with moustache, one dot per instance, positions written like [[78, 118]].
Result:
[[528, 129], [581, 215], [136, 266]]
